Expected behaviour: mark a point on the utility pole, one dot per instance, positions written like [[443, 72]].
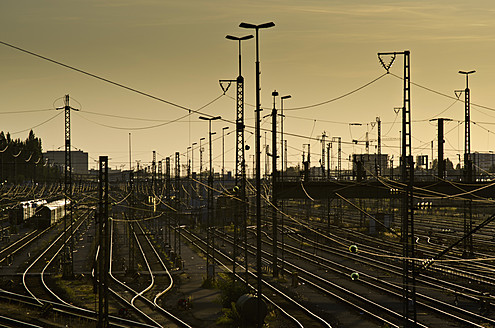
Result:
[[274, 191], [68, 260], [159, 220], [104, 244], [258, 167], [168, 195], [468, 251], [223, 153], [329, 156], [201, 149], [407, 177], [177, 205], [240, 163], [379, 147], [306, 163], [153, 174], [322, 161], [153, 190], [283, 143], [441, 141], [339, 156], [131, 266], [210, 236]]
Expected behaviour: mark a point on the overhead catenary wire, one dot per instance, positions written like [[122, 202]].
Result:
[[151, 126], [337, 98], [37, 125], [443, 94], [27, 111]]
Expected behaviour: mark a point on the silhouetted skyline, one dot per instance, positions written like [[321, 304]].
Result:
[[177, 51]]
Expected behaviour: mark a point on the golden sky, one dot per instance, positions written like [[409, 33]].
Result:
[[177, 51]]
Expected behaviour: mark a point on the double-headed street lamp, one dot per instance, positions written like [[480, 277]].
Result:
[[239, 39], [210, 251], [258, 164]]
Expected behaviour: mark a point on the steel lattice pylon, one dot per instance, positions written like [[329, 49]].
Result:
[[240, 172], [68, 263], [168, 195], [468, 169], [407, 177], [177, 204], [104, 242]]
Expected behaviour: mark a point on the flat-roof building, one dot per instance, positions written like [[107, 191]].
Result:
[[79, 160]]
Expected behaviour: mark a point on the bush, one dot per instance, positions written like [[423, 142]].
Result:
[[208, 283], [230, 316], [230, 290]]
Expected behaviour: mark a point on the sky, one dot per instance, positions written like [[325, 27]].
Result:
[[175, 52]]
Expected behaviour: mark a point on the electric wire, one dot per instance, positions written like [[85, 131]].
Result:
[[37, 125], [443, 94], [339, 97], [151, 126]]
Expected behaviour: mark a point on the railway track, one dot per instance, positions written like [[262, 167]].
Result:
[[288, 306], [145, 300]]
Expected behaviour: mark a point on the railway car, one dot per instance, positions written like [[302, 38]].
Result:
[[25, 210], [50, 213]]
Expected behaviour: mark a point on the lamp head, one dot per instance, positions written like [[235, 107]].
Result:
[[264, 25], [242, 38]]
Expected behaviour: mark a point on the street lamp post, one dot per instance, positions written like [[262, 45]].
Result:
[[188, 161], [274, 183], [283, 167], [210, 247], [282, 117], [200, 158], [223, 153], [258, 162], [192, 156]]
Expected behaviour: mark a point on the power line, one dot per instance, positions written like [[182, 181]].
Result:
[[27, 111], [102, 78], [151, 126], [443, 94], [37, 125], [339, 97]]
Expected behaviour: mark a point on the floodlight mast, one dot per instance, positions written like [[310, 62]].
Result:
[[239, 39], [258, 164], [210, 238], [282, 118]]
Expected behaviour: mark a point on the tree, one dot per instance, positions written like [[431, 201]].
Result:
[[22, 161]]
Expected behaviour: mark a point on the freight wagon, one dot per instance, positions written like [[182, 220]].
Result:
[[25, 210], [50, 213]]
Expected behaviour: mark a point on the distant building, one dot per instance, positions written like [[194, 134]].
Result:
[[483, 162], [370, 162], [79, 160]]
